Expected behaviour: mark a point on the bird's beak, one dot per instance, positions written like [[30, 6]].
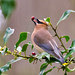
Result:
[[35, 20]]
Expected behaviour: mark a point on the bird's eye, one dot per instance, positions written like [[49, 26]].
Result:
[[39, 22]]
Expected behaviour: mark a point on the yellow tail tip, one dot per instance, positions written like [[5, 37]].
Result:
[[64, 64]]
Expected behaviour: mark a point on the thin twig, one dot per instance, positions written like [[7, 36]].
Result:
[[26, 57], [56, 34]]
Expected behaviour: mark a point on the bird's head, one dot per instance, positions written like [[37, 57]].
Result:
[[38, 22]]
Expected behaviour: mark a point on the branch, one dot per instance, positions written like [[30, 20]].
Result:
[[19, 55], [56, 34]]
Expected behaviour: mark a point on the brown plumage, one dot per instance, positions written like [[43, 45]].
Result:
[[43, 40]]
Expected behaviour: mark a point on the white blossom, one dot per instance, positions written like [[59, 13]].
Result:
[[19, 48]]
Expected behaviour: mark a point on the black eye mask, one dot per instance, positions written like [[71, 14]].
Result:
[[39, 22]]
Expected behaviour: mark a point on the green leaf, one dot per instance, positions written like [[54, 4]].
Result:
[[52, 60], [8, 33], [70, 70], [32, 46], [31, 60], [71, 50], [47, 19], [69, 54], [44, 54], [24, 48], [5, 50], [67, 38], [62, 51], [49, 59], [49, 70], [73, 44], [65, 15], [23, 36], [7, 66], [43, 67], [72, 59], [7, 7]]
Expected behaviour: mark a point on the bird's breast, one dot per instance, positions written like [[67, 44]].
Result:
[[40, 50]]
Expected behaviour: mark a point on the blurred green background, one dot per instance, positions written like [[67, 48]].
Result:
[[21, 22]]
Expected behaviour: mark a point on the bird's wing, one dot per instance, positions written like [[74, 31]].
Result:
[[45, 41]]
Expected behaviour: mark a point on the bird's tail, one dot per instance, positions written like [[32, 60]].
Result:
[[63, 62]]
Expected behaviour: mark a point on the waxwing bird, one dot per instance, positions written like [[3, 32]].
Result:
[[43, 40]]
